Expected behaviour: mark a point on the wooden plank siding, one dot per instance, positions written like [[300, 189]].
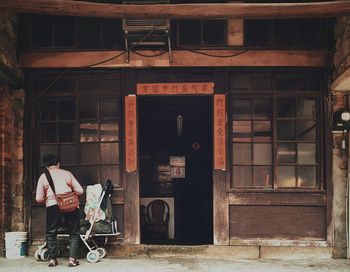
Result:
[[277, 222], [277, 198], [181, 58]]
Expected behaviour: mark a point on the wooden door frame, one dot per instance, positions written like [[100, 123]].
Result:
[[132, 187]]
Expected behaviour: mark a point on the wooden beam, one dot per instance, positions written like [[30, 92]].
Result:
[[181, 58], [179, 11]]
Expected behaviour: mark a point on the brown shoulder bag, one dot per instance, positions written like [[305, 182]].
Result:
[[67, 202]]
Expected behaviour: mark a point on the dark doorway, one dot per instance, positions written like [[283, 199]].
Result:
[[160, 137]]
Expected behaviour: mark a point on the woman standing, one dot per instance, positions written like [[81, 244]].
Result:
[[64, 182]]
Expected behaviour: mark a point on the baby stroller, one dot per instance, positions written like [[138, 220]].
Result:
[[98, 223]]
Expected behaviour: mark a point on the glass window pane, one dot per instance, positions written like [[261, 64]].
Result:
[[109, 109], [241, 109], [88, 132], [64, 31], [214, 32], [88, 84], [48, 133], [306, 130], [262, 109], [241, 154], [189, 32], [89, 154], [262, 176], [89, 175], [306, 153], [111, 33], [41, 31], [47, 149], [242, 131], [110, 153], [262, 154], [286, 153], [69, 154], [284, 32], [241, 176], [286, 107], [48, 111], [257, 32], [66, 132], [306, 108], [306, 176], [109, 131], [88, 108], [112, 173], [286, 130], [286, 176], [66, 110], [88, 32], [262, 131]]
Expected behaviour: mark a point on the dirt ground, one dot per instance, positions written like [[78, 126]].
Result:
[[167, 264]]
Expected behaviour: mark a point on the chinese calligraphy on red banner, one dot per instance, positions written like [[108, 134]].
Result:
[[130, 134], [176, 88], [219, 132]]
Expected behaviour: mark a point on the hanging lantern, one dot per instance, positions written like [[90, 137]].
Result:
[[179, 125]]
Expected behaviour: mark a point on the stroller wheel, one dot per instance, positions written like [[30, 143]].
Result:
[[44, 254], [93, 256], [36, 255], [102, 252]]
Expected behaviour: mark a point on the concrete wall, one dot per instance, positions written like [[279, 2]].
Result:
[[340, 157]]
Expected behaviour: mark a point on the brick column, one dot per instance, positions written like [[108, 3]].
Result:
[[6, 147]]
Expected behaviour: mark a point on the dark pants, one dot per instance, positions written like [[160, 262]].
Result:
[[53, 222]]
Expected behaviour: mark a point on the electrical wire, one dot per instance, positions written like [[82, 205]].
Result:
[[94, 64], [137, 53], [217, 56], [149, 56]]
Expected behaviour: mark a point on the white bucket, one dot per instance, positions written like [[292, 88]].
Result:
[[16, 244]]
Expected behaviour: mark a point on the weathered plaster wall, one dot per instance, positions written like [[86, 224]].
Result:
[[342, 46], [340, 157]]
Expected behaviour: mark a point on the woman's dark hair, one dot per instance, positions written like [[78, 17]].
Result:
[[50, 159]]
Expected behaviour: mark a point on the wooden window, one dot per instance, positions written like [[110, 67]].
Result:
[[288, 159], [296, 142], [251, 143], [45, 32], [201, 32], [283, 33], [82, 127]]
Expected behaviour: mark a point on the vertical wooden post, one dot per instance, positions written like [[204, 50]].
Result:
[[220, 202], [131, 208]]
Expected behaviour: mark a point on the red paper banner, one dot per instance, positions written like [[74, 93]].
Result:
[[130, 134], [175, 88], [219, 132]]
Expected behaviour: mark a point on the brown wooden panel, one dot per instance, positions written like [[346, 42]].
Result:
[[220, 209], [219, 132], [38, 226], [181, 58], [130, 134], [273, 198], [277, 222], [175, 88], [132, 209]]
